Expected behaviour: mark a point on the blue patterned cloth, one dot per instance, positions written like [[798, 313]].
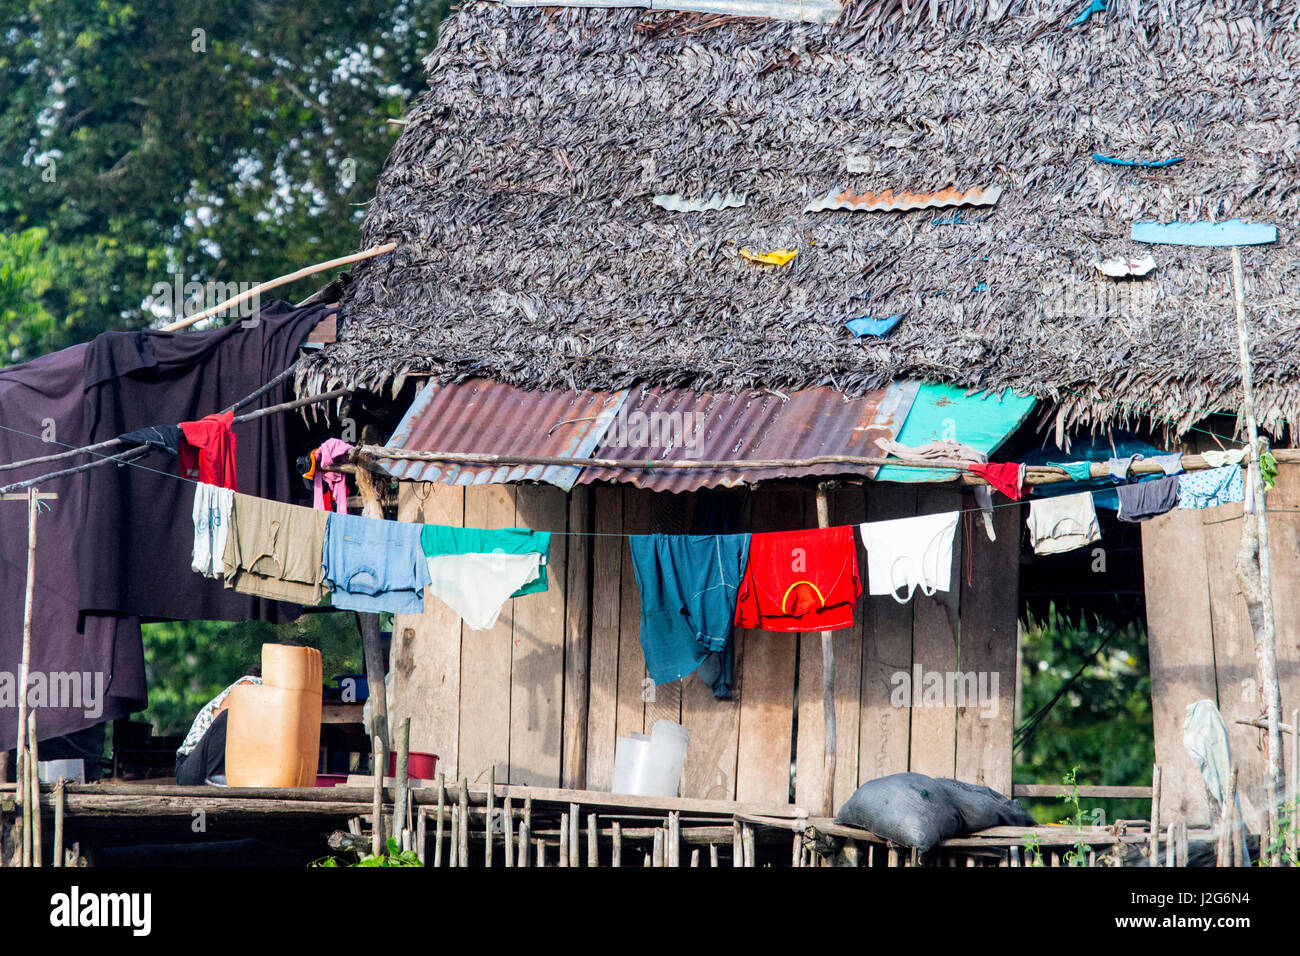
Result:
[[1214, 486]]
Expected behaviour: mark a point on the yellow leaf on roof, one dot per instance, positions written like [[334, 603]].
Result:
[[777, 257]]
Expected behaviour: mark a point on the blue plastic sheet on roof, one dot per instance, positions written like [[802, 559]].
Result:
[[939, 412], [1230, 232], [1150, 163], [1096, 6], [869, 326]]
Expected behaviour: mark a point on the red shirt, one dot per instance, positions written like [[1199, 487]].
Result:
[[800, 581], [208, 451]]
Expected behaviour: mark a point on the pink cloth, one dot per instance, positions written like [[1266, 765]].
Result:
[[327, 454]]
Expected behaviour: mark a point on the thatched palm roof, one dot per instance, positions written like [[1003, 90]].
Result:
[[532, 252]]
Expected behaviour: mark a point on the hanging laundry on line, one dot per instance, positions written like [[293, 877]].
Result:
[[1006, 477], [909, 553], [330, 488], [1143, 500], [798, 581], [207, 450], [1212, 487], [689, 588], [476, 571], [273, 550], [1063, 523]]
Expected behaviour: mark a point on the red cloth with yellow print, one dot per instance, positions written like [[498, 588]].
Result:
[[800, 581]]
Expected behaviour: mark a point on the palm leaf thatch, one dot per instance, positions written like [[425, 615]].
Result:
[[532, 252]]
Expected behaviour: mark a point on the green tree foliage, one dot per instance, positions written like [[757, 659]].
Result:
[[26, 274], [1101, 724], [222, 141], [187, 663]]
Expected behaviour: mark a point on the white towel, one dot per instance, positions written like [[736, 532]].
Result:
[[212, 507]]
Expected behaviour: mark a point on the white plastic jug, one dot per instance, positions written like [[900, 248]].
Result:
[[651, 766]]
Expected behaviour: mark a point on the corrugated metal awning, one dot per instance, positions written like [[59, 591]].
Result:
[[648, 424]]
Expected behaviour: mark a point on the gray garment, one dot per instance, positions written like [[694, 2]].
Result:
[[1169, 464], [1119, 467], [1138, 502], [1062, 523]]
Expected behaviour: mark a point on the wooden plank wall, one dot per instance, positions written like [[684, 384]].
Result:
[[1200, 641], [544, 695]]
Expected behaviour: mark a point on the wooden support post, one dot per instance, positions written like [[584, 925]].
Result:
[[453, 844], [616, 836], [1253, 567], [523, 843], [658, 853], [564, 839], [737, 843], [421, 834], [58, 824], [379, 760], [674, 838], [1171, 845], [401, 788], [713, 855], [34, 761], [750, 851], [695, 857], [491, 807], [593, 838], [541, 852], [1155, 816], [828, 684], [508, 829], [442, 802], [575, 835], [371, 643], [1182, 843], [24, 664], [462, 849], [1225, 822]]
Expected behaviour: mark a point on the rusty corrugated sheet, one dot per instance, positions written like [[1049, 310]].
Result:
[[890, 201], [485, 416], [811, 422]]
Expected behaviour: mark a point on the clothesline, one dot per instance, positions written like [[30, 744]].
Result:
[[127, 457]]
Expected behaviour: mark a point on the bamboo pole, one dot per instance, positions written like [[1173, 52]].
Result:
[[748, 837], [657, 855], [593, 836], [737, 843], [491, 808], [575, 835], [1155, 816], [1224, 848], [564, 839], [24, 664], [695, 857], [453, 844], [421, 833], [462, 850], [442, 802], [713, 855], [402, 787], [58, 824], [616, 837], [674, 837], [1293, 832], [270, 284], [379, 757], [35, 792], [1254, 565], [523, 843], [508, 832]]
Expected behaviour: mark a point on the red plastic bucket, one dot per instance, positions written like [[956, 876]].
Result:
[[419, 766]]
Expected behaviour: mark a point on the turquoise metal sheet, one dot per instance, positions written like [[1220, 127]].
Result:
[[983, 421]]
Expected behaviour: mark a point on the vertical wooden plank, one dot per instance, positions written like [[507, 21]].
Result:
[[1181, 648], [885, 729], [934, 647], [1284, 545], [632, 678], [710, 767], [606, 595], [425, 655], [768, 678], [989, 606], [577, 641], [485, 658], [537, 663], [848, 507]]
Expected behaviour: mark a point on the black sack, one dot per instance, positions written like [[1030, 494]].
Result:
[[914, 810]]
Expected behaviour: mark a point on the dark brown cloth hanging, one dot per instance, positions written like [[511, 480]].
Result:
[[135, 551], [100, 652]]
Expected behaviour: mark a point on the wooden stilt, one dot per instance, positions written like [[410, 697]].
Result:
[[421, 834], [58, 824], [453, 844], [491, 806], [35, 791], [748, 834], [379, 765], [523, 843], [616, 836], [657, 855], [462, 849], [1155, 816], [564, 839], [437, 836], [828, 685], [737, 844], [593, 841], [401, 787], [575, 835], [508, 829], [713, 855]]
